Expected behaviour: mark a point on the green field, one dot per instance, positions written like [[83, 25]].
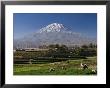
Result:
[[71, 67]]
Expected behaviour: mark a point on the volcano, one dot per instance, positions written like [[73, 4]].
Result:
[[54, 33]]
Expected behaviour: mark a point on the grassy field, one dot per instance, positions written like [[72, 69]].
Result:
[[71, 67]]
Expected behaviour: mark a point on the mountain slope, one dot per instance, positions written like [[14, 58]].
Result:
[[54, 33]]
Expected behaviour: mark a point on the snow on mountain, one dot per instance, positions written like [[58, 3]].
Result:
[[54, 33], [54, 27]]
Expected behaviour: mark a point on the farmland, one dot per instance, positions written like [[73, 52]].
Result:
[[56, 60], [72, 68]]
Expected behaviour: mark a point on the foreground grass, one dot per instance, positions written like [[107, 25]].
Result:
[[72, 67]]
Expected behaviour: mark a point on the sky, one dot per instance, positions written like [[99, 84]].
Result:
[[27, 23]]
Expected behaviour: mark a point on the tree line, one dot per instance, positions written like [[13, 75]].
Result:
[[61, 51], [69, 52]]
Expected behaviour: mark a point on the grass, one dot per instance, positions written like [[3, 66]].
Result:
[[71, 68]]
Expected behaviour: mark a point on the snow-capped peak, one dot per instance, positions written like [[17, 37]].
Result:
[[54, 27]]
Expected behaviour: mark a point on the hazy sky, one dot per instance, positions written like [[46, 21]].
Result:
[[26, 23]]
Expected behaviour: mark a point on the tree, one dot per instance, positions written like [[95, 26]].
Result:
[[84, 46]]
